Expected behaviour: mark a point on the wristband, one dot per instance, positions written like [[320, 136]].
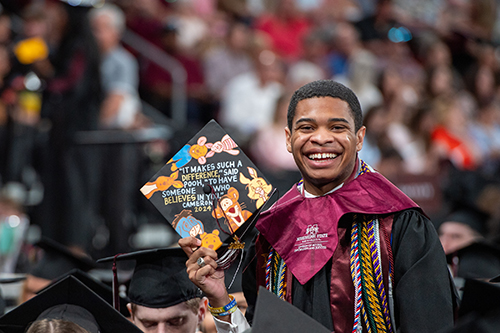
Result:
[[224, 309], [233, 309]]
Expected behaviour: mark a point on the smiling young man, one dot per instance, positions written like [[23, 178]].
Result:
[[344, 245]]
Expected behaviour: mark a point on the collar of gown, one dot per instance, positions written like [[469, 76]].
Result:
[[303, 230]]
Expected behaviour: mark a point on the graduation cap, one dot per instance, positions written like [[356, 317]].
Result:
[[487, 323], [8, 280], [495, 279], [58, 259], [469, 217], [275, 315], [477, 260], [479, 309], [101, 289], [210, 190], [71, 300], [160, 279]]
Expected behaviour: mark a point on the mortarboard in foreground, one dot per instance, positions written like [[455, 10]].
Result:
[[480, 309], [495, 279], [479, 297], [58, 259], [101, 289], [65, 300], [275, 315], [160, 279], [209, 188]]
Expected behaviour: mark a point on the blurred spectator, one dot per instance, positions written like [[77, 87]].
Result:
[[13, 225], [412, 139], [312, 65], [268, 146], [71, 102], [391, 163], [485, 129], [408, 132], [157, 83], [249, 100], [286, 26], [360, 77], [344, 10], [452, 137], [36, 22], [192, 29], [400, 57], [479, 18], [119, 69], [5, 29], [420, 14], [346, 43], [397, 94], [460, 229], [146, 18], [120, 110], [376, 122], [481, 83], [223, 62], [440, 82], [433, 52], [374, 28]]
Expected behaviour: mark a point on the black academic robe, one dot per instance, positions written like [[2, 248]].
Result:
[[423, 291], [424, 296]]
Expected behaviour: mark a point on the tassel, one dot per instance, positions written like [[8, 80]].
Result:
[[116, 293]]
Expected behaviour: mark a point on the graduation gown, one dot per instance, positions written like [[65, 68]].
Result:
[[423, 291]]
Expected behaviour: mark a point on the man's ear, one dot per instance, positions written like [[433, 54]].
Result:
[[202, 310], [129, 307], [360, 136], [288, 139]]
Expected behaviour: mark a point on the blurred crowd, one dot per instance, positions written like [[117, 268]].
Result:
[[427, 74]]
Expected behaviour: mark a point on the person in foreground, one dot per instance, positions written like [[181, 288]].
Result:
[[162, 299], [343, 245]]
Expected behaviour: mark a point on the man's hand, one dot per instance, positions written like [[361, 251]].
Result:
[[208, 278]]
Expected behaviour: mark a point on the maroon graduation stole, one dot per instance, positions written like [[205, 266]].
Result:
[[303, 231]]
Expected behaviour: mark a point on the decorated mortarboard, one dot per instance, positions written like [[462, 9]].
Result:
[[69, 299], [210, 190], [275, 315], [101, 289], [58, 259], [477, 260], [160, 279]]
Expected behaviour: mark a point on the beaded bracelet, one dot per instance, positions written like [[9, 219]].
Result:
[[224, 310]]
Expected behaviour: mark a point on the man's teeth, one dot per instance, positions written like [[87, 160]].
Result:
[[322, 156]]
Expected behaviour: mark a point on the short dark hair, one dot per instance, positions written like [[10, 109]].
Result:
[[326, 88]]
